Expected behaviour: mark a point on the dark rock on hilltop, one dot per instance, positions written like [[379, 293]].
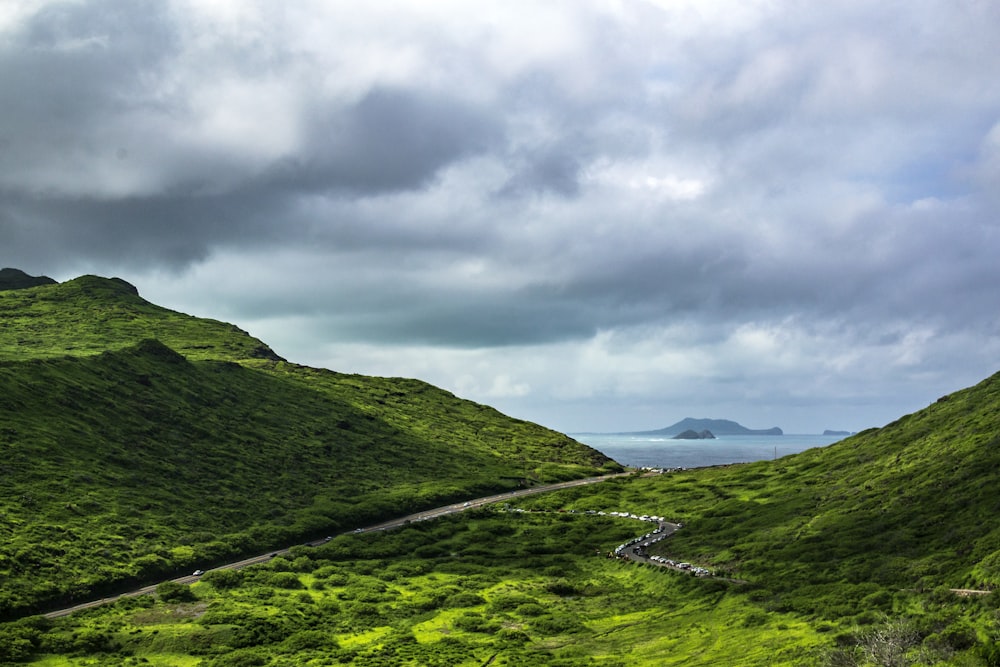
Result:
[[694, 435], [18, 279]]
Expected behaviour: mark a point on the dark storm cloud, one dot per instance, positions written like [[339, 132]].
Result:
[[169, 231], [72, 67], [391, 139], [547, 169], [595, 198], [99, 164]]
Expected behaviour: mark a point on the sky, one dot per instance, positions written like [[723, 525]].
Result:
[[599, 215]]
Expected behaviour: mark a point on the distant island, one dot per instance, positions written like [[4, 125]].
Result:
[[691, 434], [715, 426], [829, 432]]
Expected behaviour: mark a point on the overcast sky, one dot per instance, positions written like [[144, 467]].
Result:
[[596, 215]]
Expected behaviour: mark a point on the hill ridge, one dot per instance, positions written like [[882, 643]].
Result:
[[12, 279], [90, 314], [137, 442]]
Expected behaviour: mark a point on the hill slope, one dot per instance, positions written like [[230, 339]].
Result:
[[137, 441], [11, 279], [912, 505], [837, 556], [91, 315]]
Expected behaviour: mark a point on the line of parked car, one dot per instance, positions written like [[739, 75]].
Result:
[[642, 541], [638, 545], [694, 569]]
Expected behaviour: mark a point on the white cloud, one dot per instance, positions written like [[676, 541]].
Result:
[[590, 213]]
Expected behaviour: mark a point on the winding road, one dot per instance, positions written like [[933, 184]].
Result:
[[387, 525]]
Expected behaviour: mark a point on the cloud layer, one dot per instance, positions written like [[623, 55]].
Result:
[[598, 215]]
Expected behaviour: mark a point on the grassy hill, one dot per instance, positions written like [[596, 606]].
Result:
[[914, 504], [843, 555], [91, 315], [864, 538], [17, 279], [136, 441], [840, 556]]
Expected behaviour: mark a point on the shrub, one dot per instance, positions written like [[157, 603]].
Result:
[[557, 625], [530, 609], [171, 591], [472, 622], [286, 580], [463, 600], [959, 635], [562, 588], [310, 639], [223, 579], [239, 659], [257, 631], [510, 602]]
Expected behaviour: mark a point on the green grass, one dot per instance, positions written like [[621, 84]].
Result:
[[91, 315], [126, 464], [520, 589], [140, 458], [913, 504], [529, 588]]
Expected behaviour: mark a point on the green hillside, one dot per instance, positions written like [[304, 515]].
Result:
[[864, 537], [840, 556], [136, 442], [912, 504], [17, 279], [91, 315]]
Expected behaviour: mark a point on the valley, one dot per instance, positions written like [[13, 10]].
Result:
[[140, 445]]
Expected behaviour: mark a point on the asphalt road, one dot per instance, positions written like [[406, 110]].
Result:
[[387, 525]]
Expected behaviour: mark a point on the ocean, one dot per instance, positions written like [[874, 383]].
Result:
[[665, 452]]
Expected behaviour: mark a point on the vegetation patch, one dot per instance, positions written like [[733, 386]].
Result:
[[160, 454], [138, 443]]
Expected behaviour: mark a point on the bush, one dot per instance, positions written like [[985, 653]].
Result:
[[989, 653], [510, 602], [530, 609], [463, 600], [755, 619], [15, 649], [310, 639], [239, 659], [258, 631], [562, 588], [92, 641], [512, 637], [472, 622], [286, 580], [959, 636], [171, 591], [223, 579], [557, 625]]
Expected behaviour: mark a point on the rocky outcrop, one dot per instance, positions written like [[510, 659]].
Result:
[[691, 434]]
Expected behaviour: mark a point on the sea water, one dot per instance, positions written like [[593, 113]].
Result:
[[664, 452]]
